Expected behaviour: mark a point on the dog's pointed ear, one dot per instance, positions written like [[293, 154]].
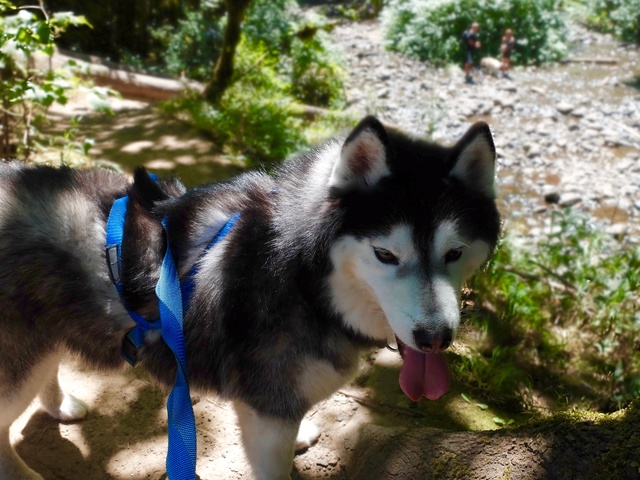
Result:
[[473, 160], [364, 158]]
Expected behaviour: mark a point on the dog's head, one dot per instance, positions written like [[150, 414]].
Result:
[[418, 219]]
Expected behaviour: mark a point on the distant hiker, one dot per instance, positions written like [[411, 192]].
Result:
[[471, 41], [507, 45]]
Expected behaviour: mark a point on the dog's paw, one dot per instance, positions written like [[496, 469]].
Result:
[[71, 409], [308, 435]]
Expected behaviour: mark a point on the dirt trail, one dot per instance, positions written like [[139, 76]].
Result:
[[369, 432], [124, 436]]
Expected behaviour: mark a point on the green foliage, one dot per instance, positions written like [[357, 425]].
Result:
[[559, 318], [432, 29], [282, 60], [305, 60], [258, 113], [254, 118], [316, 77], [28, 86], [618, 17], [270, 23], [192, 46]]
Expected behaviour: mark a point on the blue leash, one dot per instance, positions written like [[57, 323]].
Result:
[[181, 455], [172, 297]]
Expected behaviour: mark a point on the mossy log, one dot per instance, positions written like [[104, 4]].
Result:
[[566, 446]]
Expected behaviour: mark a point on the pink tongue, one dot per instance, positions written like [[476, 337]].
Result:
[[424, 374]]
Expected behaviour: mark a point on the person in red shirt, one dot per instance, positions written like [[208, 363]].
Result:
[[507, 45]]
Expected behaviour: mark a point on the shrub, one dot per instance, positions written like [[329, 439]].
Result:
[[254, 118], [192, 46], [29, 86], [272, 27], [271, 23], [431, 30], [256, 113], [618, 17], [316, 77], [558, 318], [281, 61], [305, 55]]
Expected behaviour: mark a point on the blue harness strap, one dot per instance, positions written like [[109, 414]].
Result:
[[114, 238], [115, 231], [181, 455], [172, 298]]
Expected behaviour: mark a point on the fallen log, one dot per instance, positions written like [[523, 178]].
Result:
[[566, 446], [598, 60], [129, 82]]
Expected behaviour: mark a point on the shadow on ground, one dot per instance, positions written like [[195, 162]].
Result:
[[140, 135]]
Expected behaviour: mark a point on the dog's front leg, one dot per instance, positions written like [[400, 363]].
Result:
[[60, 405], [268, 442]]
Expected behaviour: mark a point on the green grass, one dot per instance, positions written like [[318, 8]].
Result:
[[555, 322]]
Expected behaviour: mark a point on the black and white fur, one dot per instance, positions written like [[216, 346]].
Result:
[[343, 248]]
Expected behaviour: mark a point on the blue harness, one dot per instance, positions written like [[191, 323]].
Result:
[[172, 299]]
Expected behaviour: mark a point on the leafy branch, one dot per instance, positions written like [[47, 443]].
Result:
[[27, 89]]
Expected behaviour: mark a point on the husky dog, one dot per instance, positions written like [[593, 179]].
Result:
[[363, 240], [491, 65]]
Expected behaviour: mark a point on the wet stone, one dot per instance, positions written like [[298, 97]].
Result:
[[617, 229], [540, 209], [565, 108], [570, 199], [552, 197], [579, 112], [533, 150]]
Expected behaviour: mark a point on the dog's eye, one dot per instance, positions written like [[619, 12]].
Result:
[[385, 256], [452, 255]]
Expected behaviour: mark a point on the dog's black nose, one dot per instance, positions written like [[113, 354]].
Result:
[[433, 341]]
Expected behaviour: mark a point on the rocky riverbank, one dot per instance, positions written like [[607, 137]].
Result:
[[568, 136]]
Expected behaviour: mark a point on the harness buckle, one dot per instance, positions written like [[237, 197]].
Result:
[[113, 260], [129, 349]]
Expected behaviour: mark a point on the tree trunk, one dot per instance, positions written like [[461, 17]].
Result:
[[223, 71]]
